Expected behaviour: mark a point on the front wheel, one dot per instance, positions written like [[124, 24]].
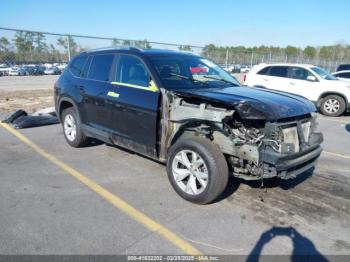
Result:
[[333, 105], [197, 170]]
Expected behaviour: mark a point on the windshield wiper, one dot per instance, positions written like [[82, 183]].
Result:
[[188, 78], [221, 79]]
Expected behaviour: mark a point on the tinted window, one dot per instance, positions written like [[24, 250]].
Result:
[[100, 67], [298, 73], [343, 67], [131, 70], [86, 68], [280, 71], [77, 65], [264, 71], [343, 75]]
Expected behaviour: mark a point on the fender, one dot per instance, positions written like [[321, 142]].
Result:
[[330, 93], [59, 109]]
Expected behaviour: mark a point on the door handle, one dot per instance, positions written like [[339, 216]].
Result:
[[291, 83], [266, 79]]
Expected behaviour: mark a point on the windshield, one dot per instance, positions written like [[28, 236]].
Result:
[[188, 72], [323, 73]]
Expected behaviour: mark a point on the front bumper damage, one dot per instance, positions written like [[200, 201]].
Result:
[[289, 165]]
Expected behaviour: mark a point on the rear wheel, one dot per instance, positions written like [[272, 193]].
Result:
[[197, 170], [333, 105], [71, 128]]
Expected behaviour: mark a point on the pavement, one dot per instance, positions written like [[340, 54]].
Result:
[[55, 199], [23, 83]]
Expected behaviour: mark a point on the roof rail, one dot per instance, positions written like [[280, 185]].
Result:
[[117, 47]]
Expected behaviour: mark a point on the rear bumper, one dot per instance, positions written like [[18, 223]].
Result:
[[289, 166]]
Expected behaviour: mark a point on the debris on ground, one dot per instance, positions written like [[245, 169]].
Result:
[[20, 118]]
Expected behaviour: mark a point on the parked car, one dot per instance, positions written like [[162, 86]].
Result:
[[342, 75], [52, 71], [5, 69], [244, 69], [18, 71], [184, 110], [343, 67], [329, 94]]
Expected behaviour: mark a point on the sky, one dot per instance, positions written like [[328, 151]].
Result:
[[196, 22]]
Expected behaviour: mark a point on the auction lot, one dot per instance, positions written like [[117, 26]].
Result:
[[45, 209]]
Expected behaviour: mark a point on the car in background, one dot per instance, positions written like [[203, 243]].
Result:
[[18, 71], [343, 67], [52, 71], [244, 69], [342, 75], [330, 95], [5, 69]]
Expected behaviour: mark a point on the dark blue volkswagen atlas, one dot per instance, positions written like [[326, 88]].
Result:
[[184, 110]]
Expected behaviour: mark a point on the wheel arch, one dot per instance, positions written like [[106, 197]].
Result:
[[328, 93], [65, 103]]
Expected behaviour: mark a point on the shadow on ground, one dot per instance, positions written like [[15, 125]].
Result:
[[234, 183], [303, 248], [347, 127]]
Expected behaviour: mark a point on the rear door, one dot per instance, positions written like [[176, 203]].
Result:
[[95, 90], [277, 78], [298, 83], [135, 105]]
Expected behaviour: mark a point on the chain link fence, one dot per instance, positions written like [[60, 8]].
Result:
[[250, 59], [19, 47]]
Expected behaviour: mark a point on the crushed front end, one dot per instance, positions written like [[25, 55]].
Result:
[[284, 148]]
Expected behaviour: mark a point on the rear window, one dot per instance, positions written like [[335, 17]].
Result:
[[77, 65], [100, 67], [264, 71], [280, 71], [343, 67], [343, 75]]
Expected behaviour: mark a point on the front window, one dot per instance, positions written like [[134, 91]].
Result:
[[188, 72], [323, 73]]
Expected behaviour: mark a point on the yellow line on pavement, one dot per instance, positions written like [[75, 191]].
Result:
[[337, 155], [122, 205]]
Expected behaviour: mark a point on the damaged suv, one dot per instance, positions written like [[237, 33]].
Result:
[[183, 110]]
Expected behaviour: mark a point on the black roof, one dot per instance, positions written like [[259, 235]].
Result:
[[138, 50]]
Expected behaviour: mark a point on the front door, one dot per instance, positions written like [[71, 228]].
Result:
[[135, 105]]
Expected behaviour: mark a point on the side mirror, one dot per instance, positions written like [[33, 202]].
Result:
[[311, 78]]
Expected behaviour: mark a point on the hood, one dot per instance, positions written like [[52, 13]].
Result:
[[255, 103]]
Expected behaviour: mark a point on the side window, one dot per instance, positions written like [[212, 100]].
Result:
[[298, 73], [343, 75], [280, 71], [100, 67], [264, 71], [131, 70], [86, 67], [77, 65]]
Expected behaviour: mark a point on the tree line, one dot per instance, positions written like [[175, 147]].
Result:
[[337, 52], [34, 47]]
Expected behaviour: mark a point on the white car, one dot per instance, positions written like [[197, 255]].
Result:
[[342, 75], [330, 95]]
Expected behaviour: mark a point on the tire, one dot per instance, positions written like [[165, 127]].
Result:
[[71, 128], [214, 165], [332, 105]]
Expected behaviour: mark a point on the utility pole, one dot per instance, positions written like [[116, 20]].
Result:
[[226, 60], [68, 47]]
